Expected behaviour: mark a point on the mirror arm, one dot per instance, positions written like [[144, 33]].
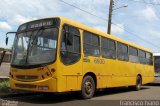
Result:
[[7, 36], [10, 33]]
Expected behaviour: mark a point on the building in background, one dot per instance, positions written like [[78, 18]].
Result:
[[7, 56], [157, 63]]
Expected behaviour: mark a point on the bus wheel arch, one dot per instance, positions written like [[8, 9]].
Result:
[[88, 85], [93, 76]]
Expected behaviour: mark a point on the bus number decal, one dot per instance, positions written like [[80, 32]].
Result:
[[99, 61]]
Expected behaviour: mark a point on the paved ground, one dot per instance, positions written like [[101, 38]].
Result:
[[114, 95]]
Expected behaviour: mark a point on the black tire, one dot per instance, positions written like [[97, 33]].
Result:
[[88, 87], [138, 83]]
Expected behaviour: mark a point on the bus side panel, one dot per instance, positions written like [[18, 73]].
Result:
[[108, 69], [149, 74], [132, 73], [90, 65], [120, 78]]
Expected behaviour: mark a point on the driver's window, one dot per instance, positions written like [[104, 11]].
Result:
[[70, 45]]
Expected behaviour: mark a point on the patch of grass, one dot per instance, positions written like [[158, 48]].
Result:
[[4, 86]]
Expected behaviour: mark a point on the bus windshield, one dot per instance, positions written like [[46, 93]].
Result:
[[35, 47]]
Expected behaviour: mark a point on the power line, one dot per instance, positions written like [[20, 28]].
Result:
[[84, 10], [136, 36], [112, 22], [147, 3], [154, 6], [144, 2], [157, 10]]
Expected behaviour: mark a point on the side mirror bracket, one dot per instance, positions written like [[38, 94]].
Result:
[[7, 38]]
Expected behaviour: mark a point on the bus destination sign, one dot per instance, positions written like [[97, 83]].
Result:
[[38, 24]]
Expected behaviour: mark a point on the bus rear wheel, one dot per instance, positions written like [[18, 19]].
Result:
[[138, 83], [88, 87]]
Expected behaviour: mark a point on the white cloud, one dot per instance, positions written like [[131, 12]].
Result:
[[18, 12], [90, 4], [117, 29], [40, 8], [19, 19], [156, 1], [148, 13], [5, 26], [155, 34], [101, 28]]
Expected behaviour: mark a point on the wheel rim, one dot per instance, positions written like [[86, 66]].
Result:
[[88, 87]]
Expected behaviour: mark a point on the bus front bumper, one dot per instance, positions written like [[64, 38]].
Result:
[[46, 85]]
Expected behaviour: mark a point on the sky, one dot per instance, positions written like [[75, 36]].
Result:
[[138, 23]]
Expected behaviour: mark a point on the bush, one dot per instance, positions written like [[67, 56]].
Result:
[[4, 86]]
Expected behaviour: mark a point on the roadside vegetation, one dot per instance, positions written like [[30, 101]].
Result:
[[4, 86]]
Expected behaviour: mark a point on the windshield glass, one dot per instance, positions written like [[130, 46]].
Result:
[[35, 47]]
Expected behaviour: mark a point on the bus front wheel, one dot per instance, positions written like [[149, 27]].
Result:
[[88, 87]]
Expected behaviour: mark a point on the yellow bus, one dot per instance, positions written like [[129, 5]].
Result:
[[60, 55]]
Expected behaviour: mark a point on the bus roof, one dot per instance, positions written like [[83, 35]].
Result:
[[92, 30]]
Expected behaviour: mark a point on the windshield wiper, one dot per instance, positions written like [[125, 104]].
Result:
[[30, 47], [42, 28], [37, 34]]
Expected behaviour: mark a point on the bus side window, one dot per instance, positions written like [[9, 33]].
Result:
[[70, 45], [108, 48], [122, 51], [133, 55], [142, 57], [149, 58], [91, 44]]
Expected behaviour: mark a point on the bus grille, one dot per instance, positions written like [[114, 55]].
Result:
[[25, 86], [27, 77]]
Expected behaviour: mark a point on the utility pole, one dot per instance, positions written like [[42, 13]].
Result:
[[110, 16]]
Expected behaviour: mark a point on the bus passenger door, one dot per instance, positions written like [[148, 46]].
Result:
[[70, 54]]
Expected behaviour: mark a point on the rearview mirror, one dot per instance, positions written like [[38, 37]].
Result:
[[7, 41], [8, 37]]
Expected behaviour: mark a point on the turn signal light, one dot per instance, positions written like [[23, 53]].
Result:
[[43, 77], [53, 70]]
